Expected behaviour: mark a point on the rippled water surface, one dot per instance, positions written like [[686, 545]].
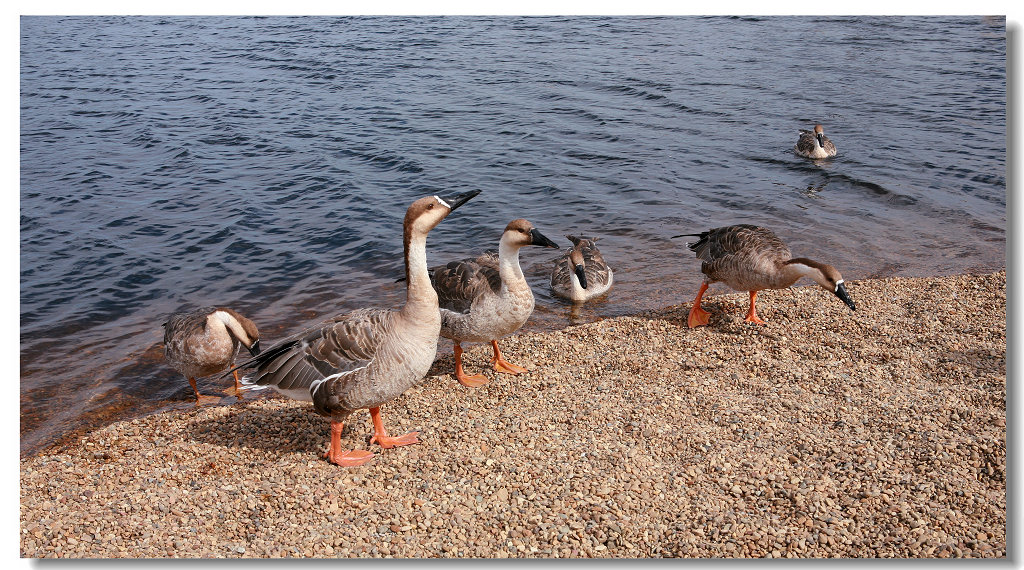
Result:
[[265, 164]]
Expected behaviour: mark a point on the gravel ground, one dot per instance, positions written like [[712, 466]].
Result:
[[826, 433]]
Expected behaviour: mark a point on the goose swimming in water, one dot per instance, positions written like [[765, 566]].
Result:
[[581, 272], [751, 258], [814, 144], [486, 298], [204, 342], [370, 356]]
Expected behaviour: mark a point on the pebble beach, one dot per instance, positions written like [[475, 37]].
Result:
[[825, 433]]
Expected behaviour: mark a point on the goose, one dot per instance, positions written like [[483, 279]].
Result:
[[581, 273], [486, 298], [814, 144], [368, 357], [204, 341], [751, 258]]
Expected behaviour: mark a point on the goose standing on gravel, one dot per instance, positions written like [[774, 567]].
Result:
[[204, 342], [581, 272], [814, 144], [486, 298], [751, 258], [370, 356]]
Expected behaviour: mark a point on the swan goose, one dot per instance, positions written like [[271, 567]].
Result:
[[204, 341], [581, 272], [368, 357], [814, 144], [751, 258], [486, 298]]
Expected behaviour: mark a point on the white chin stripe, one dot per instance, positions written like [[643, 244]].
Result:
[[838, 283], [442, 202]]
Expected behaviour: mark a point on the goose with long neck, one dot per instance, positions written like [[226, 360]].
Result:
[[581, 272], [486, 298], [368, 357], [204, 341], [751, 258], [814, 144]]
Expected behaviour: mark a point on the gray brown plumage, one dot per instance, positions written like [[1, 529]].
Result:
[[814, 144], [751, 258], [485, 298], [367, 357], [581, 272], [204, 341]]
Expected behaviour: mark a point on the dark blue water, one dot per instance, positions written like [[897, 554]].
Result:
[[266, 163]]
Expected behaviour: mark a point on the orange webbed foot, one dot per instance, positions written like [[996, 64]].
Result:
[[698, 317], [388, 442], [204, 400], [755, 320], [506, 367], [349, 458], [474, 381]]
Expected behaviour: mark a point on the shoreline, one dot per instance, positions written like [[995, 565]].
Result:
[[826, 432]]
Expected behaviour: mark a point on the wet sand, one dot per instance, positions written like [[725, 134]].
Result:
[[825, 433]]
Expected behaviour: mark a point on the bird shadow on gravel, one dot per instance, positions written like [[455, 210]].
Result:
[[295, 428]]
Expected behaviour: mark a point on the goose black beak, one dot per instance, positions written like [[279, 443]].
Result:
[[582, 276], [255, 348], [539, 239], [842, 294], [459, 199], [821, 139]]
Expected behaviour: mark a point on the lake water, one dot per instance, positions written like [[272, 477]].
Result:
[[265, 164]]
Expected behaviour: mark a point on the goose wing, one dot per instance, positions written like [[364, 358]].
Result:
[[726, 251], [335, 349], [806, 143], [181, 326], [459, 283], [594, 265]]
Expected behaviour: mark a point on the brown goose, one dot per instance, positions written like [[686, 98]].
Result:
[[751, 258], [204, 342], [370, 356], [814, 144], [581, 272], [486, 298]]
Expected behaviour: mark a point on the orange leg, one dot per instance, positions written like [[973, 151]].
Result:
[[473, 381], [502, 365], [380, 435], [200, 399], [752, 313], [350, 458], [698, 316], [238, 386]]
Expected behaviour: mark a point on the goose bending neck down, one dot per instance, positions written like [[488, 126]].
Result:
[[751, 258], [204, 341], [487, 298], [368, 357]]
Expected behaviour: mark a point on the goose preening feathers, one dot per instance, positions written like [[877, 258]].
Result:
[[814, 144], [751, 258], [486, 298], [581, 273], [370, 356], [204, 341]]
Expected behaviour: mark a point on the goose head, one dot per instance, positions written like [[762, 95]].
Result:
[[819, 133], [424, 214], [240, 328], [830, 280], [576, 260], [521, 232]]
